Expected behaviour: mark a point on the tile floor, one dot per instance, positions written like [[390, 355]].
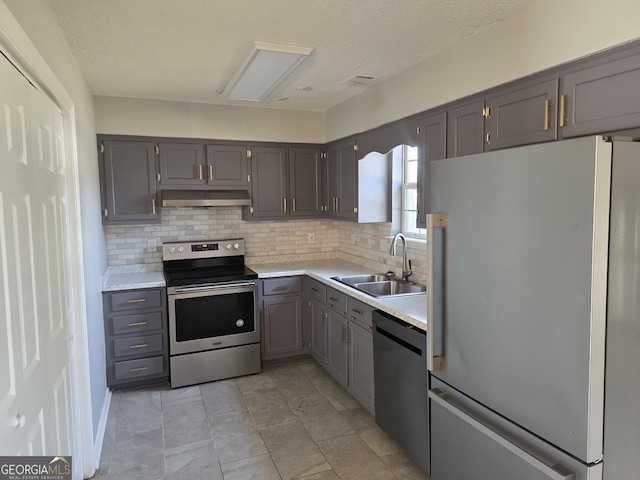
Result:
[[291, 421]]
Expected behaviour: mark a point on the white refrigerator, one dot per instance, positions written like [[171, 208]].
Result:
[[534, 325]]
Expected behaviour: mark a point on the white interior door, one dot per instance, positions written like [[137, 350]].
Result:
[[35, 398]]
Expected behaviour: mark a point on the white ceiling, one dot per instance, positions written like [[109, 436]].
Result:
[[186, 50]]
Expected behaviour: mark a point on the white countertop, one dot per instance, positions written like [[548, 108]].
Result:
[[130, 277], [410, 308]]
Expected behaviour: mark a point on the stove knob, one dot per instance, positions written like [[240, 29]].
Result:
[[180, 249], [172, 249], [228, 246], [236, 246], [239, 322]]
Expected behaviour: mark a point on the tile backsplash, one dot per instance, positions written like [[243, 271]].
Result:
[[265, 241]]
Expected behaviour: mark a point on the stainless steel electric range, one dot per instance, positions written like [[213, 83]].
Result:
[[214, 328]]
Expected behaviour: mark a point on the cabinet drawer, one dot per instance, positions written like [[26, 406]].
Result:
[[337, 301], [142, 367], [281, 286], [360, 313], [317, 290], [135, 300], [140, 322], [138, 345]]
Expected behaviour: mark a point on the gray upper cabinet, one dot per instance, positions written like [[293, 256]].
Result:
[[341, 180], [128, 183], [181, 164], [433, 146], [269, 182], [345, 174], [305, 181], [601, 97], [285, 182], [465, 129], [523, 115], [227, 166]]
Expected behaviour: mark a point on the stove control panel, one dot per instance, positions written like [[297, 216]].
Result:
[[206, 249]]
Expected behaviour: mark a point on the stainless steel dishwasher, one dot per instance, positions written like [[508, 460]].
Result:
[[400, 369]]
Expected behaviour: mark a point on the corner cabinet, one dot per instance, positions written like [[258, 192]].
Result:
[[128, 182], [136, 334], [283, 326]]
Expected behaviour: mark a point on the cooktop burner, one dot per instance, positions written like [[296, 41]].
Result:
[[211, 261]]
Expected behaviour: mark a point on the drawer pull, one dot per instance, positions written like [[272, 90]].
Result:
[[139, 369], [139, 345], [333, 299], [359, 312], [315, 289], [137, 324], [137, 300], [280, 288]]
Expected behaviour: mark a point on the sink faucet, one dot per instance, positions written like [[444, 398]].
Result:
[[406, 264]]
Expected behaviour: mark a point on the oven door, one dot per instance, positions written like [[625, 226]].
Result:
[[213, 316]]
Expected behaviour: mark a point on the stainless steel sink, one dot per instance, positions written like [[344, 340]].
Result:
[[381, 285], [392, 287], [354, 279]]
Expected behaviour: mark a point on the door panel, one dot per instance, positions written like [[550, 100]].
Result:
[[34, 259]]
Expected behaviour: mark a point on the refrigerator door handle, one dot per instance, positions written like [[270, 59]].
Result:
[[554, 472], [433, 220]]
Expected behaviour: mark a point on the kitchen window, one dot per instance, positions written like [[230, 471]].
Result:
[[410, 193]]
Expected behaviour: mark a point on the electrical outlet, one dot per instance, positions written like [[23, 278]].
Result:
[[311, 237], [152, 245]]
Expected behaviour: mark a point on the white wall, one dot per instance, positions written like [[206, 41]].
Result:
[[129, 116], [37, 21], [544, 34]]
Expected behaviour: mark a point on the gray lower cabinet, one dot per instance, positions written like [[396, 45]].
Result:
[[342, 341], [135, 324], [337, 349], [360, 342], [283, 332], [601, 98], [318, 321], [128, 182]]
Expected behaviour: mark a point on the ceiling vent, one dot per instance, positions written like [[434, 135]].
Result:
[[360, 80]]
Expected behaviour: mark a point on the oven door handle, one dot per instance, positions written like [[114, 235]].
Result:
[[216, 286]]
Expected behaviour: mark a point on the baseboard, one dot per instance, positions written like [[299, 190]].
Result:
[[98, 441]]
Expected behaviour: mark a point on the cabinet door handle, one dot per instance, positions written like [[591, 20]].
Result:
[[211, 173], [284, 205], [266, 312], [199, 172], [137, 324], [293, 204], [337, 204], [137, 300], [563, 110], [139, 369], [547, 114], [153, 206], [139, 345]]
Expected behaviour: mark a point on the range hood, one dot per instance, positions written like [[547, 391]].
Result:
[[205, 198]]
